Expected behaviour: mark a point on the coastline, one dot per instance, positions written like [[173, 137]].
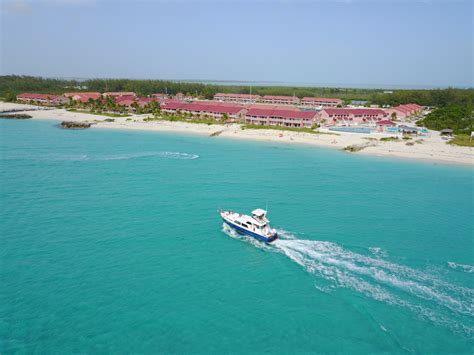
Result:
[[433, 148]]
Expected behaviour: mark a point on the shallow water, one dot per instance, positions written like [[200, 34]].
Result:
[[111, 242]]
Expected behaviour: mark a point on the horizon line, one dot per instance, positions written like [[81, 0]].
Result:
[[230, 82]]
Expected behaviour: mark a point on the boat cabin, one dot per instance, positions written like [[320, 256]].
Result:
[[257, 223], [260, 215]]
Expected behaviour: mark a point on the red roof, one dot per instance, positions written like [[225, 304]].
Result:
[[273, 97], [272, 107], [386, 123], [143, 101], [125, 102], [120, 93], [290, 114], [32, 96], [217, 103], [202, 106], [119, 99], [84, 96], [173, 105], [213, 108], [408, 108], [321, 99], [147, 99], [354, 111], [71, 94], [243, 96]]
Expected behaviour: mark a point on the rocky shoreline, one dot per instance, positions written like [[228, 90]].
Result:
[[15, 116], [75, 125]]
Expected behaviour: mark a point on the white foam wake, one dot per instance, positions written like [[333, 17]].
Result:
[[462, 267], [430, 297]]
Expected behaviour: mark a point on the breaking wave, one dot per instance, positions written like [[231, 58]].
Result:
[[169, 155], [105, 157], [428, 296]]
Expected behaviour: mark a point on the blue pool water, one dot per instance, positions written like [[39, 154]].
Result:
[[111, 243], [351, 129]]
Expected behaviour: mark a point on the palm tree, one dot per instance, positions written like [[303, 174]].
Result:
[[135, 106]]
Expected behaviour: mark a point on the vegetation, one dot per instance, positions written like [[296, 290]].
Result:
[[456, 117], [10, 85], [388, 139], [436, 97], [282, 128], [99, 113], [183, 118], [462, 140]]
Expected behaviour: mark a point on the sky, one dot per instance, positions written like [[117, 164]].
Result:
[[345, 42]]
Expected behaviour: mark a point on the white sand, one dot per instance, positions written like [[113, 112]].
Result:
[[433, 147]]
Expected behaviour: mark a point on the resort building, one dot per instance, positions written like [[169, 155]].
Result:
[[160, 96], [45, 99], [384, 124], [272, 107], [205, 109], [348, 116], [120, 93], [237, 98], [323, 102], [119, 99], [182, 97], [285, 118], [83, 96], [143, 101], [280, 100], [125, 101], [359, 102], [129, 101], [402, 112]]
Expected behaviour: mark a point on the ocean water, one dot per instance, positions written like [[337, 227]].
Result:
[[111, 243]]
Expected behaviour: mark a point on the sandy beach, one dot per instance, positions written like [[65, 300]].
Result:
[[431, 148]]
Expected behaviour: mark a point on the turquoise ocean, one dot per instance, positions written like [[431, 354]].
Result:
[[111, 243]]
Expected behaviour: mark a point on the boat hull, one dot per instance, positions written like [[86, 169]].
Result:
[[241, 230]]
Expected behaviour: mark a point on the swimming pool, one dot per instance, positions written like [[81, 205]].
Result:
[[351, 129]]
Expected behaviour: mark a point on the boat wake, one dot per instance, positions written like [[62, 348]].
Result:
[[462, 267], [428, 296]]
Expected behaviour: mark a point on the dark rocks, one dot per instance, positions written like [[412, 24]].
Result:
[[358, 147], [75, 125], [15, 116], [215, 134], [355, 148]]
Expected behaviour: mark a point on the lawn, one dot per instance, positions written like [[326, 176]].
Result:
[[463, 140]]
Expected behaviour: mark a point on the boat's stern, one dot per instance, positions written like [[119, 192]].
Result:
[[272, 237]]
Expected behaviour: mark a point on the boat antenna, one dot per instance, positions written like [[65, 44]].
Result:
[[266, 207]]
